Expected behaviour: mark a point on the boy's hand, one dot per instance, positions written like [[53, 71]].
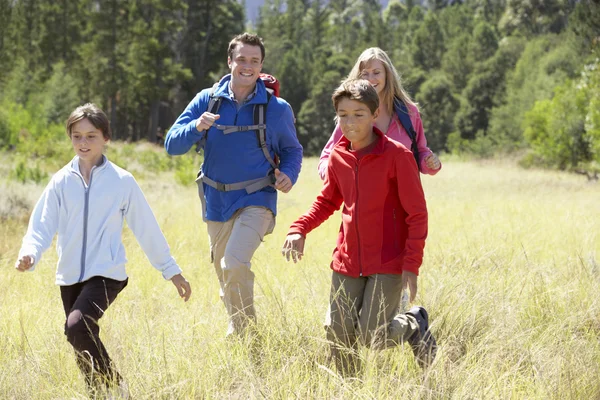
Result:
[[282, 181], [409, 280], [432, 161], [206, 120], [294, 246], [183, 286], [24, 263]]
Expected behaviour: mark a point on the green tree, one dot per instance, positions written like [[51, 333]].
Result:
[[6, 52], [545, 62], [395, 17], [152, 67], [438, 107], [106, 41], [457, 63], [485, 90], [534, 17], [484, 42], [555, 129], [427, 47], [316, 116], [201, 43]]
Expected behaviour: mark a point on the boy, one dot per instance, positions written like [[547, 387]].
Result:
[[86, 202], [380, 245]]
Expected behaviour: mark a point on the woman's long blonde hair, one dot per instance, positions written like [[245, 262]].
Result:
[[393, 83]]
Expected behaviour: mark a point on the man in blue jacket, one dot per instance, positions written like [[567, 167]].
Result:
[[244, 130]]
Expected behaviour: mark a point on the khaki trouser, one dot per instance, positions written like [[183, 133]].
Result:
[[364, 311], [232, 245]]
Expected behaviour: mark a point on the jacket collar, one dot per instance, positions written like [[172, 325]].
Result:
[[343, 144], [260, 91], [74, 165]]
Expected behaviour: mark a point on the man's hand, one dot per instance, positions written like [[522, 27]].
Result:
[[183, 286], [24, 263], [282, 181], [409, 280], [294, 247], [433, 162], [206, 120]]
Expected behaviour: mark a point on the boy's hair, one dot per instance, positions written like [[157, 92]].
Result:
[[246, 38], [357, 89], [393, 83], [94, 114]]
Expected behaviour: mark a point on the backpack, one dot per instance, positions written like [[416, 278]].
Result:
[[260, 126], [404, 117]]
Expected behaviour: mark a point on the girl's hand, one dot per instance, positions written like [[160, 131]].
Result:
[[24, 263], [183, 286], [294, 247], [433, 162]]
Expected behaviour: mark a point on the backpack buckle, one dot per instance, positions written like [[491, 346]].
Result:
[[221, 187]]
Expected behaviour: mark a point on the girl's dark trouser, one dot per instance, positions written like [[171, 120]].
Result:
[[85, 303]]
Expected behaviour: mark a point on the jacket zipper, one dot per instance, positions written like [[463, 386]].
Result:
[[85, 223], [360, 271]]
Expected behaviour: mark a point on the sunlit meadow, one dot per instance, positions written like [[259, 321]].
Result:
[[511, 278]]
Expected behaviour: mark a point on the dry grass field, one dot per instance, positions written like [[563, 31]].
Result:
[[511, 278]]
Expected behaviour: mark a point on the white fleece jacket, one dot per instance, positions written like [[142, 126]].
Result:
[[89, 222]]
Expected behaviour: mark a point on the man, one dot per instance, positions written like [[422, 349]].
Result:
[[239, 178]]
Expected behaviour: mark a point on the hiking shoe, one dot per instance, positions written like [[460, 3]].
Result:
[[422, 341]]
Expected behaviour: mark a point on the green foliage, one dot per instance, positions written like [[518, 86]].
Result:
[[143, 60], [563, 131], [545, 62], [534, 17], [23, 172], [438, 107], [186, 169], [59, 98], [485, 90], [427, 47]]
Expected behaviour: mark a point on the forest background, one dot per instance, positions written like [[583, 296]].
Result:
[[491, 77]]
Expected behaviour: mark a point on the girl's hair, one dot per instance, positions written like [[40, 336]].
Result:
[[94, 114], [357, 89], [393, 83]]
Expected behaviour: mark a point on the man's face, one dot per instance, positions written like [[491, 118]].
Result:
[[245, 64]]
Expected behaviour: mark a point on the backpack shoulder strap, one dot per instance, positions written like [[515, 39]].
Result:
[[404, 117], [260, 119], [214, 103]]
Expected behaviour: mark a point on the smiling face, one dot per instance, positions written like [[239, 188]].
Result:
[[245, 64], [88, 141], [356, 121], [374, 72]]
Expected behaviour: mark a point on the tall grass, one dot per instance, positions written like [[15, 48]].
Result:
[[510, 277]]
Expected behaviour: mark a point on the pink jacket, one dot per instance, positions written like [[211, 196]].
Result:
[[395, 132]]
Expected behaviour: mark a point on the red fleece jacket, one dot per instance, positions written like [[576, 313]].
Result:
[[384, 218]]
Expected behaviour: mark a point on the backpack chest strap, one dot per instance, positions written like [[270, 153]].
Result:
[[227, 129]]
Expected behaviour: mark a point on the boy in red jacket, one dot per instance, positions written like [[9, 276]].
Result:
[[380, 245]]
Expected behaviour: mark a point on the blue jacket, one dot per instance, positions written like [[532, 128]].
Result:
[[236, 157]]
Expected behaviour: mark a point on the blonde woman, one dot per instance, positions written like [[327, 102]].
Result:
[[375, 66]]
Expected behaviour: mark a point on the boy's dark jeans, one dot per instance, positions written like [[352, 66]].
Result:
[[85, 303]]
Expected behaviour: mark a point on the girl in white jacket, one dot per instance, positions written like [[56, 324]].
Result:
[[86, 202]]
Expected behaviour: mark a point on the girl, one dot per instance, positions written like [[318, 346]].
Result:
[[86, 202], [375, 66]]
